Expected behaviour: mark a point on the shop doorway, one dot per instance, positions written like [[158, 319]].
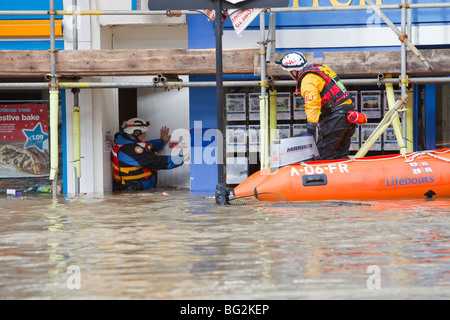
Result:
[[443, 117], [127, 104]]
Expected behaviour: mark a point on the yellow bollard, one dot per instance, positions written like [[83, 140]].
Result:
[[76, 141], [54, 154], [273, 115]]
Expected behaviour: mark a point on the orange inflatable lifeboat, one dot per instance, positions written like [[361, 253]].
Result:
[[414, 175]]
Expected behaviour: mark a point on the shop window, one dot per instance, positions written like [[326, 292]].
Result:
[[24, 139], [242, 126]]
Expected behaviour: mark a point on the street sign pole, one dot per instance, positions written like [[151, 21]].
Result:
[[219, 90]]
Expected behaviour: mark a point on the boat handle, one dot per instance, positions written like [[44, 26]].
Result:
[[314, 180]]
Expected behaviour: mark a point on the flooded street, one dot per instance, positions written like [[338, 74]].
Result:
[[147, 245]]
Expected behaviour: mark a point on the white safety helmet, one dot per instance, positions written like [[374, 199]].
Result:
[[133, 124], [294, 61]]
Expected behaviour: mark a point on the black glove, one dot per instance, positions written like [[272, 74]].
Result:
[[310, 130]]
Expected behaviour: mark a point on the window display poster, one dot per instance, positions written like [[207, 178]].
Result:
[[299, 108], [24, 147], [283, 131], [236, 139], [390, 141], [283, 106], [371, 104], [297, 128], [236, 107], [254, 138], [108, 141], [253, 101], [354, 97], [236, 169], [397, 95], [354, 144], [366, 131]]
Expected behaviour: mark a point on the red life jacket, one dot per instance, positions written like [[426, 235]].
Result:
[[124, 173], [333, 92]]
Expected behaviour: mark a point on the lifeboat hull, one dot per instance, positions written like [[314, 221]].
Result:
[[415, 175]]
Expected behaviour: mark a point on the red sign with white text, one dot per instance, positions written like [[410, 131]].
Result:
[[24, 140], [14, 119]]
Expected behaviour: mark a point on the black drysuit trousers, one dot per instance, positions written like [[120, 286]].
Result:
[[335, 133]]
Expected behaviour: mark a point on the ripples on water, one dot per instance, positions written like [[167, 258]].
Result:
[[183, 246]]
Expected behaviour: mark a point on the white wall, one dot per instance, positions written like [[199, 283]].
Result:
[[171, 109], [133, 19]]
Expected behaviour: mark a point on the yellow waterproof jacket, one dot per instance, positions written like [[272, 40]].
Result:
[[310, 89]]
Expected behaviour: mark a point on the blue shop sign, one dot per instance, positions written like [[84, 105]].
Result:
[[360, 18]]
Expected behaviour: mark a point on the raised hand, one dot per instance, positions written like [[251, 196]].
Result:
[[165, 136]]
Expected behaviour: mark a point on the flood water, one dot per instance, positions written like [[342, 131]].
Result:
[[147, 245]]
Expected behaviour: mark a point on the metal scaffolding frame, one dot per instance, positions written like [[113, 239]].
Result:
[[53, 85], [403, 38]]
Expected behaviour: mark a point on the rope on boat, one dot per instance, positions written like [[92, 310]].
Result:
[[427, 153], [411, 158]]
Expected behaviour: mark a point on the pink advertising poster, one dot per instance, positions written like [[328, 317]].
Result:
[[24, 147]]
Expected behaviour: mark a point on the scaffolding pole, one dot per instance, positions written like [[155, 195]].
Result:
[[236, 83], [54, 101], [218, 30], [263, 105]]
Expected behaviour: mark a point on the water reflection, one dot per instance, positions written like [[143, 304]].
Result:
[[182, 246]]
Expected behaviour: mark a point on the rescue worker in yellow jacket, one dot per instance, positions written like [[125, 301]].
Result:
[[134, 159], [327, 103]]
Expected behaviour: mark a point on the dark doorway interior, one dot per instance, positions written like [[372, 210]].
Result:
[[127, 104]]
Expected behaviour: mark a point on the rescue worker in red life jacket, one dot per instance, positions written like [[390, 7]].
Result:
[[326, 103], [134, 159]]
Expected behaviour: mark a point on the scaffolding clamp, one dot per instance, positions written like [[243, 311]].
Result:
[[406, 81], [380, 77], [173, 13], [52, 85], [403, 37], [271, 82], [264, 83]]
